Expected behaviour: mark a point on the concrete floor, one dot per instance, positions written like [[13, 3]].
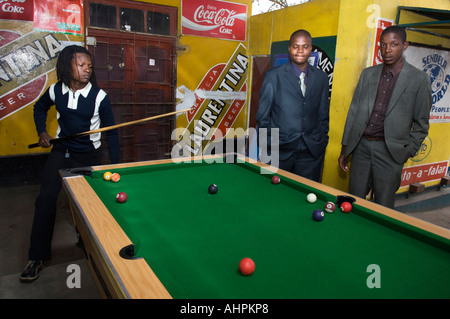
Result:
[[16, 213], [16, 217], [432, 205]]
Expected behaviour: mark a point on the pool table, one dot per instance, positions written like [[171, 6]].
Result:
[[173, 239]]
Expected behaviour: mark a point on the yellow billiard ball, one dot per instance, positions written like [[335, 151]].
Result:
[[107, 176]]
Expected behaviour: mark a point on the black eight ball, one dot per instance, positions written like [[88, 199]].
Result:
[[212, 189]]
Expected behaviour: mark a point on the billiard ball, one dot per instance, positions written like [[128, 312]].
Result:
[[311, 198], [246, 266], [107, 176], [318, 215], [115, 177], [212, 189], [330, 207], [121, 197], [276, 179], [346, 207]]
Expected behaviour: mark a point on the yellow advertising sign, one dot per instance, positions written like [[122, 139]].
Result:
[[28, 57], [27, 64], [215, 105]]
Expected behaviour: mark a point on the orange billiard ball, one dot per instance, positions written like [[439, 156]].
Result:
[[115, 177]]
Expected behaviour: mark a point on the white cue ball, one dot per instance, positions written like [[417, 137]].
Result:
[[311, 198]]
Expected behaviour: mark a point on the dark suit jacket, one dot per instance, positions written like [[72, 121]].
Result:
[[283, 106], [407, 118]]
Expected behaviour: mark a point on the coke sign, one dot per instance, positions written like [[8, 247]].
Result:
[[16, 10], [216, 19]]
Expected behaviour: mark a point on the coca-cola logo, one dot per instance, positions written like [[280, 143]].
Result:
[[16, 10], [7, 7], [214, 16], [218, 19]]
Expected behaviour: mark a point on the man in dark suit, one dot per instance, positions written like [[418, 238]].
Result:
[[387, 121], [301, 118]]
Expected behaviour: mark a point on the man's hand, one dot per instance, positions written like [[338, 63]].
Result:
[[343, 160], [44, 139]]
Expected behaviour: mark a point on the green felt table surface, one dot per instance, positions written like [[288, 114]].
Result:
[[194, 240]]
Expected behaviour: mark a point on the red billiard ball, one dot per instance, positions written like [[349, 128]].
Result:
[[330, 207], [246, 266], [276, 179], [121, 197], [346, 207]]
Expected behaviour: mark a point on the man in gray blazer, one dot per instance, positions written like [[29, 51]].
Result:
[[387, 121], [301, 118]]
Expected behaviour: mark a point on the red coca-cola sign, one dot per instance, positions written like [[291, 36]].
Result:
[[216, 19], [16, 10]]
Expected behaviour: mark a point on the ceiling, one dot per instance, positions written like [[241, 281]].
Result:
[[430, 21]]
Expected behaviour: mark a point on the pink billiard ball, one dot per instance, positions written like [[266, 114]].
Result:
[[246, 266], [346, 207], [330, 207], [276, 179], [121, 197]]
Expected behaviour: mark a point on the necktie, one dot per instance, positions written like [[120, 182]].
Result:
[[302, 83]]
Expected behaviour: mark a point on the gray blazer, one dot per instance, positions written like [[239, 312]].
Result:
[[407, 118], [283, 106]]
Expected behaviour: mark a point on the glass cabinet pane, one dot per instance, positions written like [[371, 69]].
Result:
[[102, 15], [158, 23], [132, 20]]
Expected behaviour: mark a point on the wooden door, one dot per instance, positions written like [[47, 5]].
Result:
[[260, 65], [137, 70]]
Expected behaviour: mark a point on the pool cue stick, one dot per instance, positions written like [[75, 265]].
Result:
[[108, 128]]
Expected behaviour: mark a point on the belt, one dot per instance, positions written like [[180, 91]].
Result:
[[374, 138]]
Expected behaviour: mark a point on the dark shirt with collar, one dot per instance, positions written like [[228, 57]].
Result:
[[81, 111], [386, 86], [298, 71]]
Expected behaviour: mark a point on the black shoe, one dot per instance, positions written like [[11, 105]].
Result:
[[31, 271]]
